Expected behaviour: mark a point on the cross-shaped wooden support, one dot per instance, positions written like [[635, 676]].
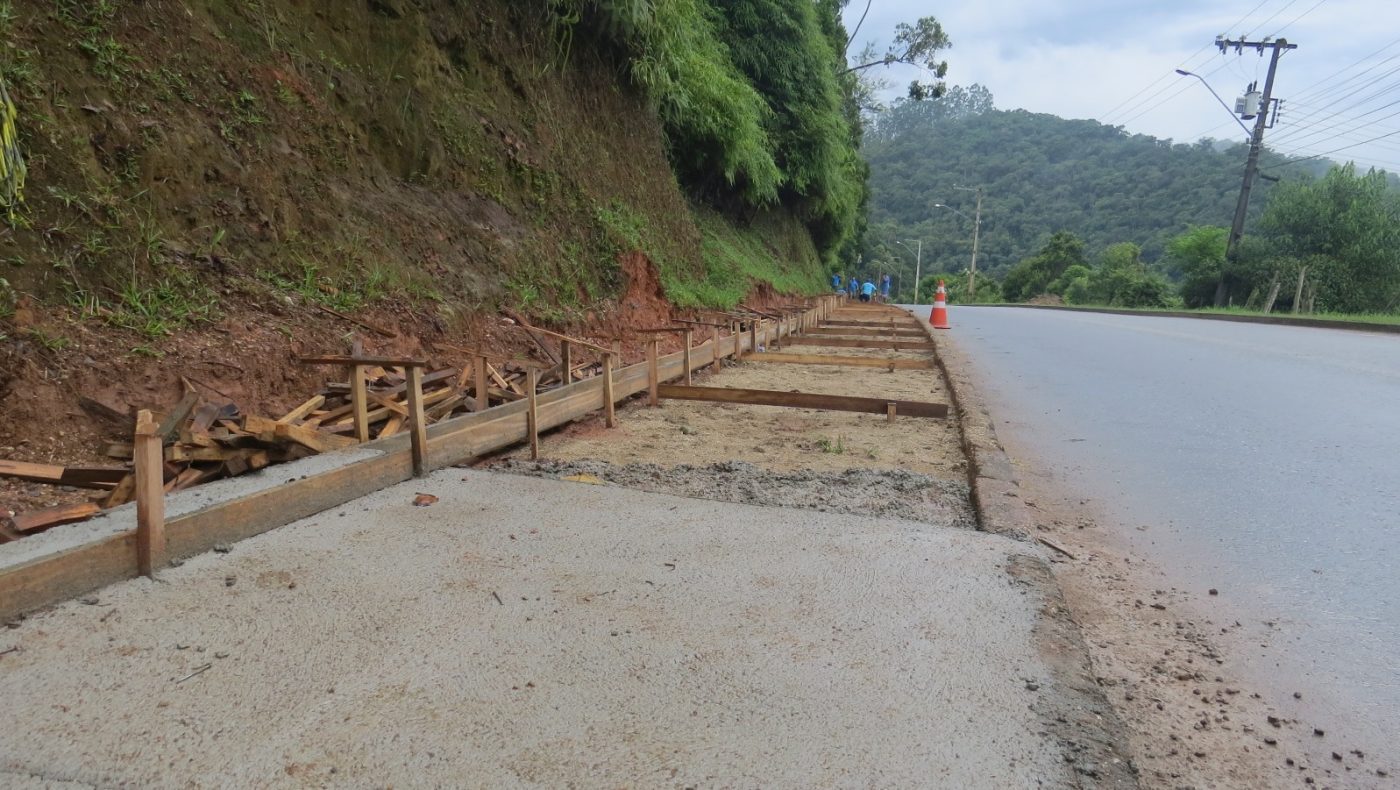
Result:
[[150, 495], [417, 422]]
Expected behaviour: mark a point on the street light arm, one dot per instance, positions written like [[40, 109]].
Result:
[[955, 211], [1236, 118]]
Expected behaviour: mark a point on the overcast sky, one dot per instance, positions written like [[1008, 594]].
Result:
[[1114, 62]]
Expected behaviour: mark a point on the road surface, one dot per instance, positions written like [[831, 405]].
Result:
[[1260, 460]]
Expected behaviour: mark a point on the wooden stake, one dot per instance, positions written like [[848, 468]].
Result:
[[685, 358], [566, 362], [653, 374], [150, 496], [360, 401], [417, 423], [481, 384], [609, 402], [889, 411], [532, 417], [753, 336], [735, 334], [714, 345]]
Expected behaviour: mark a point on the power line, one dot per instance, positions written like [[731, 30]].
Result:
[[1296, 18], [1334, 150], [1169, 75]]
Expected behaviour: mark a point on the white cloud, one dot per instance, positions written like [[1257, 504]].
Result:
[[1084, 59]]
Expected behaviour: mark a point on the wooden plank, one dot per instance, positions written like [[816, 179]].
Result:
[[77, 476], [391, 427], [392, 405], [890, 410], [893, 363], [846, 342], [177, 416], [532, 414], [802, 400], [271, 430], [122, 494], [43, 518], [570, 339], [853, 331], [566, 362], [418, 422], [304, 409], [150, 497], [715, 363], [359, 402], [353, 359]]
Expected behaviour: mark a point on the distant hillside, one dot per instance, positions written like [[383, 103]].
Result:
[[1040, 174]]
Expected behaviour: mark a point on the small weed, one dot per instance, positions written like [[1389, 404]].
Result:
[[48, 341], [147, 351], [837, 447], [157, 309], [68, 199], [286, 96]]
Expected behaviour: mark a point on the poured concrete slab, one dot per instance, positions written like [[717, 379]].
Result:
[[533, 632]]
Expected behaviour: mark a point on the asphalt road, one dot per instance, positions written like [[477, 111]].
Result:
[[1260, 460]]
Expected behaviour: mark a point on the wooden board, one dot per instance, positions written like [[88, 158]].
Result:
[[803, 400], [79, 476], [853, 331], [848, 342], [853, 362], [43, 518]]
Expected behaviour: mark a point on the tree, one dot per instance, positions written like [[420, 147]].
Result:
[[914, 45], [1199, 254], [1346, 228], [1033, 276]]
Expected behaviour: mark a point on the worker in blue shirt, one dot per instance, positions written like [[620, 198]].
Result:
[[836, 282], [866, 291], [855, 285], [885, 288]]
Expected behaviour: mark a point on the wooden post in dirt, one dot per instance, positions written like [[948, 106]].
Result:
[[714, 345], [653, 374], [685, 357], [479, 375], [777, 333], [532, 422], [889, 412], [417, 423], [609, 405], [753, 336], [360, 402], [566, 362], [735, 335], [150, 496]]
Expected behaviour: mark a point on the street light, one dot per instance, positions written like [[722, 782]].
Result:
[[918, 264], [1185, 73], [955, 211]]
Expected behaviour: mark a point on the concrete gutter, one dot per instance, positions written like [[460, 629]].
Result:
[[1277, 320]]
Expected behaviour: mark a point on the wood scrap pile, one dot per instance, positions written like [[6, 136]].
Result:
[[208, 441]]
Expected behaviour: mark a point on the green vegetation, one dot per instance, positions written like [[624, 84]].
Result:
[[755, 98]]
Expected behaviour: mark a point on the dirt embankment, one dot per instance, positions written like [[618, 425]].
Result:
[[211, 183]]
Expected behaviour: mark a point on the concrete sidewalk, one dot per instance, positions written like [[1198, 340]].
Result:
[[533, 632]]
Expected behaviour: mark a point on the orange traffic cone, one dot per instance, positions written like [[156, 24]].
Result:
[[938, 316]]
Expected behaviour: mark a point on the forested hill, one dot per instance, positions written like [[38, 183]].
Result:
[[1040, 174]]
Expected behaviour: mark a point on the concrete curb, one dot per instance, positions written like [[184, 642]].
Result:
[[1316, 323], [991, 478], [1091, 727]]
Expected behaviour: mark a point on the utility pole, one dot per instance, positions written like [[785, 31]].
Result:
[[1256, 143], [976, 231], [918, 264]]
